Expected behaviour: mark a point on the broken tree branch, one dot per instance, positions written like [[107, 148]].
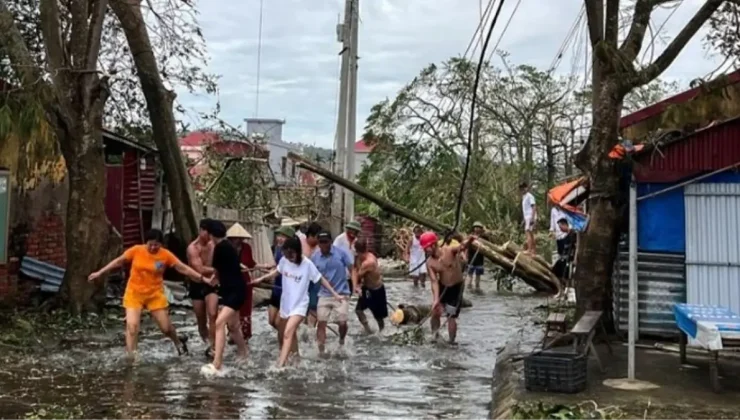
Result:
[[521, 266]]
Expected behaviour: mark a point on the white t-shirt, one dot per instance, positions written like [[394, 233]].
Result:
[[341, 241], [296, 278], [527, 206], [416, 258], [555, 215]]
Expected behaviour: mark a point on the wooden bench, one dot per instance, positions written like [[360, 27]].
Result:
[[555, 323], [584, 332]]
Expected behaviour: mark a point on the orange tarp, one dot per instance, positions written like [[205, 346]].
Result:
[[559, 194]]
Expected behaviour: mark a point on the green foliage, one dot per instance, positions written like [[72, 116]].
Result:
[[55, 411], [530, 125], [586, 410], [723, 35]]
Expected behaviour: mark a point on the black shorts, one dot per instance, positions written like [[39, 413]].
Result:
[[275, 297], [375, 300], [233, 298], [451, 299], [199, 291]]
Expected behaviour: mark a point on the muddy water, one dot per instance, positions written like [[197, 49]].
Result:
[[368, 378]]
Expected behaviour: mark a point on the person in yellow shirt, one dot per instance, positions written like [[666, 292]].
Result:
[[145, 288]]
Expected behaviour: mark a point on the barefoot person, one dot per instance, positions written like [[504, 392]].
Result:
[[444, 267], [203, 296], [233, 292], [416, 259], [368, 284], [239, 237], [297, 272], [475, 259], [145, 288], [310, 246], [529, 211], [333, 263], [282, 234]]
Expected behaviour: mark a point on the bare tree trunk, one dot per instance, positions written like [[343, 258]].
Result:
[[159, 104], [86, 228]]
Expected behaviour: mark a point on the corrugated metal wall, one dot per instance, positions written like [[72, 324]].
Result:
[[713, 244], [138, 196], [661, 283]]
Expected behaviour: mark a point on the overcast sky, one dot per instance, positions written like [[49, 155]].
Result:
[[300, 63]]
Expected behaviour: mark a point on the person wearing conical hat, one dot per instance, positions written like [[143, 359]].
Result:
[[239, 237], [475, 260]]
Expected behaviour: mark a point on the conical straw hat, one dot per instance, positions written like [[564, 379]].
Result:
[[237, 231]]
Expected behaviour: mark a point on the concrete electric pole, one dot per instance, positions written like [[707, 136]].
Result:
[[340, 140], [349, 166]]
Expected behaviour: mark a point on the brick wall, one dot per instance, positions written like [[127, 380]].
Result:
[[45, 241], [9, 287]]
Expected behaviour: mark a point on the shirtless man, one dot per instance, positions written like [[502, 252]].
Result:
[[368, 283], [445, 271], [203, 296]]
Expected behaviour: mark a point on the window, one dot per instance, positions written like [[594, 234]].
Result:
[[284, 165], [292, 169]]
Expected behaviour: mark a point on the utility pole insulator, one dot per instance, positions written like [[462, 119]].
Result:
[[340, 32]]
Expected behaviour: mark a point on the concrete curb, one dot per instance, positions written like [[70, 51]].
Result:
[[505, 383]]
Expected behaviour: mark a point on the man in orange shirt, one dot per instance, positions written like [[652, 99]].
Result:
[[145, 288]]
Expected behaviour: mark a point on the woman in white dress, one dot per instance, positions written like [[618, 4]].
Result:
[[297, 272], [416, 258]]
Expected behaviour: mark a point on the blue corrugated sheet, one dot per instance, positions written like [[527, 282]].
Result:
[[661, 219], [50, 275]]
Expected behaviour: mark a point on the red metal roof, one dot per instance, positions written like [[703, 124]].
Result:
[[658, 108], [199, 138], [362, 147], [709, 149]]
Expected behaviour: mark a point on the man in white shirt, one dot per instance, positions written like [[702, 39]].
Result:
[[555, 215], [529, 211]]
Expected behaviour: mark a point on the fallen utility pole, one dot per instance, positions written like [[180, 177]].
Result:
[[532, 269]]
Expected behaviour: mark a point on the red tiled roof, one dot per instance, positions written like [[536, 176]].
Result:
[[658, 108], [199, 138], [362, 147]]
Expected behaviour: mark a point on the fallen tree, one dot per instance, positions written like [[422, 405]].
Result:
[[510, 258]]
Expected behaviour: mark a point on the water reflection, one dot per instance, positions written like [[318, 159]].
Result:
[[368, 377]]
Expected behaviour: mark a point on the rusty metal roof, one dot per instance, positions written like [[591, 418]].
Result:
[[709, 149]]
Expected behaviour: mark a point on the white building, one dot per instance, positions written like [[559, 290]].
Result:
[[269, 132], [362, 154]]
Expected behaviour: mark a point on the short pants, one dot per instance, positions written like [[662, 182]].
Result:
[[328, 304], [275, 297], [233, 298], [528, 225], [375, 300], [419, 268], [151, 301], [451, 299], [477, 270], [199, 291]]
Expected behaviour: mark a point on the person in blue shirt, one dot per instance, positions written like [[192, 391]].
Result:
[[332, 263]]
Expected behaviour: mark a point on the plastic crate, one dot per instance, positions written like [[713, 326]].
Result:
[[555, 371]]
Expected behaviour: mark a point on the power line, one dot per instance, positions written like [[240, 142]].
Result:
[[471, 126], [508, 22], [567, 40], [259, 62]]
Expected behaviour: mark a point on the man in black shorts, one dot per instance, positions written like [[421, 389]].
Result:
[[203, 296], [233, 293], [368, 283]]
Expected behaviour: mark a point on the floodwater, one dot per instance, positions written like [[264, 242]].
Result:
[[369, 378]]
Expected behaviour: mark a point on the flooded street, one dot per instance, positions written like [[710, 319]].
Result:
[[369, 378]]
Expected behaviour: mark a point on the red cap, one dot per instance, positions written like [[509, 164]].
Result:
[[427, 239]]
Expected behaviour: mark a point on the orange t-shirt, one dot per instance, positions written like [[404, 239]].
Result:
[[147, 269]]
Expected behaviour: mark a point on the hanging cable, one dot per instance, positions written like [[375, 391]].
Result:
[[259, 62], [471, 126], [508, 22]]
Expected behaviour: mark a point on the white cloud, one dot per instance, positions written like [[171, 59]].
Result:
[[299, 75]]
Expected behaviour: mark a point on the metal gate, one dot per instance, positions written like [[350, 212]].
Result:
[[713, 244]]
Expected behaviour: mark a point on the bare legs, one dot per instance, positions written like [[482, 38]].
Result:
[[227, 317], [199, 307], [290, 340]]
